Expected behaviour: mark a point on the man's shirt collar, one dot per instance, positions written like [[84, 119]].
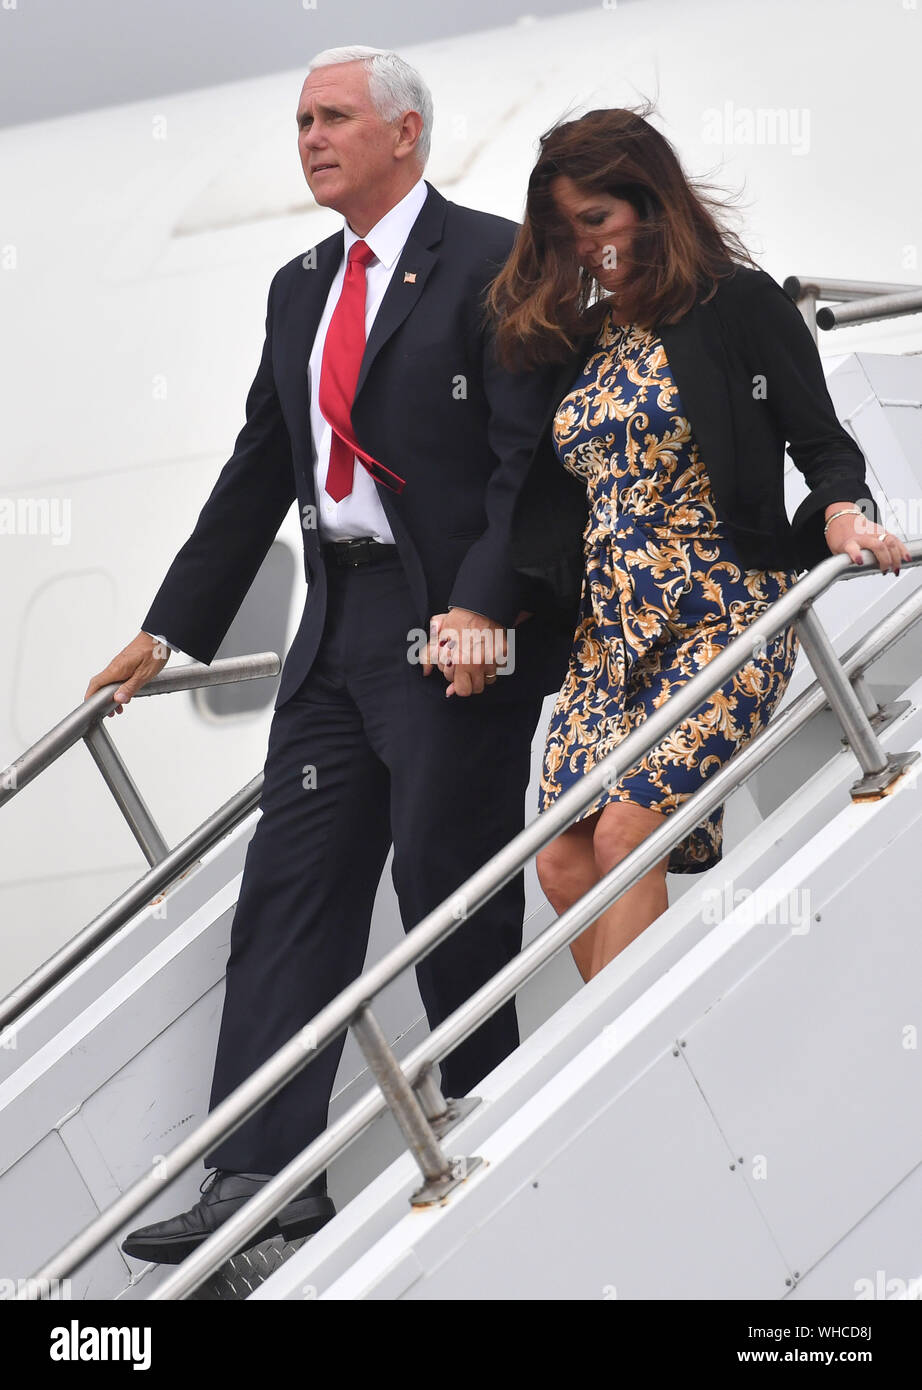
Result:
[[388, 236]]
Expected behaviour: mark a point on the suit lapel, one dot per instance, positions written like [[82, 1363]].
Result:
[[408, 280]]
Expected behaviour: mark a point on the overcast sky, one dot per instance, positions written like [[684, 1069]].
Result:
[[58, 56]]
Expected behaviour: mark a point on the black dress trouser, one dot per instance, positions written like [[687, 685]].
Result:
[[367, 751]]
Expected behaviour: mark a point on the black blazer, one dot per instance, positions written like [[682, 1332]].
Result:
[[750, 380], [431, 404]]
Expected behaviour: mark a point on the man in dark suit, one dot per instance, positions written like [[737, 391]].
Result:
[[404, 454]]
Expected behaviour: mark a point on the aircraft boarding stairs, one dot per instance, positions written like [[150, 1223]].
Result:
[[729, 1110]]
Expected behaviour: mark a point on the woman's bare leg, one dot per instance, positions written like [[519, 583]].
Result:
[[573, 863], [566, 871]]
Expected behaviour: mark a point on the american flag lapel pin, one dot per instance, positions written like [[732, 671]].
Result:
[[409, 277]]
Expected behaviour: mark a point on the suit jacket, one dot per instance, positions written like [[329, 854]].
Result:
[[749, 380], [431, 404]]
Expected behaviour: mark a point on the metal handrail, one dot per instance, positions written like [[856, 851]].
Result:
[[351, 1005], [85, 722], [82, 720], [868, 300], [173, 865], [872, 310]]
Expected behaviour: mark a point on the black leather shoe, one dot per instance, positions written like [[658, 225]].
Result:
[[169, 1242]]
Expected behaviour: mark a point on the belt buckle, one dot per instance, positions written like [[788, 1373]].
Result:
[[357, 551]]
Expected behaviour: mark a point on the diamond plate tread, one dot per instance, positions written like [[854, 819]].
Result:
[[243, 1273]]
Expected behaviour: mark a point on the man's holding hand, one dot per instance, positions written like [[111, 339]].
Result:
[[469, 649]]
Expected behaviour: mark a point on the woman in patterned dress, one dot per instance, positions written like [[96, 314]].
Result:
[[617, 250]]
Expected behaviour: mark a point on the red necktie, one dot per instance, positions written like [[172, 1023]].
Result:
[[339, 372]]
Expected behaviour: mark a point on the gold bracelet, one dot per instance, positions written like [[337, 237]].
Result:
[[846, 511]]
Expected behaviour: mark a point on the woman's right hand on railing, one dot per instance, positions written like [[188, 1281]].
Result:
[[848, 532], [134, 666]]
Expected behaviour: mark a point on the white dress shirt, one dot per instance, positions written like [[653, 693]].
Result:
[[360, 512]]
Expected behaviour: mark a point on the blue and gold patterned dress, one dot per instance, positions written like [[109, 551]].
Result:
[[664, 591]]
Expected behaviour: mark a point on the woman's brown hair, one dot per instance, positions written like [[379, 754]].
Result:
[[543, 299]]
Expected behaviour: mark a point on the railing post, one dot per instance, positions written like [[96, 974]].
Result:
[[880, 769], [866, 697], [440, 1172], [429, 1095], [807, 307], [127, 797], [879, 715], [442, 1114]]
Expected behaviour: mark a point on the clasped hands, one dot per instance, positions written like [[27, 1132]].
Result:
[[468, 648]]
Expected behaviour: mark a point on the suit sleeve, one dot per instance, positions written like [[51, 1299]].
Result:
[[209, 578], [797, 395], [486, 581]]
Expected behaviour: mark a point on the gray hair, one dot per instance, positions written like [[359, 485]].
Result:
[[393, 85]]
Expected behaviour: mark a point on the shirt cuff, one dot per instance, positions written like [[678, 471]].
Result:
[[158, 637]]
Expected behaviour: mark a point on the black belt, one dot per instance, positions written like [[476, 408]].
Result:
[[360, 550]]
